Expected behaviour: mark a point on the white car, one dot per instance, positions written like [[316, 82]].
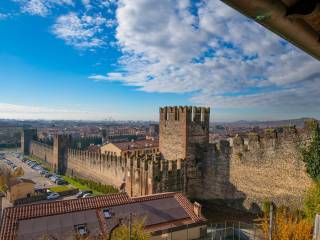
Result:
[[53, 196], [87, 195]]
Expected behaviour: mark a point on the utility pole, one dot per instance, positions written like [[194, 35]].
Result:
[[130, 226], [270, 221], [1, 196]]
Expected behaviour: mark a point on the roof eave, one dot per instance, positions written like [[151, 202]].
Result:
[[272, 15]]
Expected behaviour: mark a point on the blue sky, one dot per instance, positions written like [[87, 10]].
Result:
[[122, 59]]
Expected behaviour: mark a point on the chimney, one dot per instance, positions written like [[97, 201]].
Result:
[[197, 209]]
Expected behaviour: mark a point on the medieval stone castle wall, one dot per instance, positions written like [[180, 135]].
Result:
[[104, 168], [184, 134], [253, 168], [42, 151], [258, 168]]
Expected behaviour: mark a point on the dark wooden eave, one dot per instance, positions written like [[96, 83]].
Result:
[[297, 21]]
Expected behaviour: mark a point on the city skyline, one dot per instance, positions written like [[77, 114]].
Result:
[[92, 60]]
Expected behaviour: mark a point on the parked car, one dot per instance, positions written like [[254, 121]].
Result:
[[83, 192], [38, 167], [43, 171], [54, 178], [48, 175], [87, 195], [53, 196], [33, 166], [61, 182]]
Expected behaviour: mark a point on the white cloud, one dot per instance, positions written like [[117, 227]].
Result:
[[4, 16], [217, 53], [42, 7], [80, 31], [13, 111], [87, 4]]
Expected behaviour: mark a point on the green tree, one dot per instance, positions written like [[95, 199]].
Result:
[[137, 232], [311, 154], [312, 201]]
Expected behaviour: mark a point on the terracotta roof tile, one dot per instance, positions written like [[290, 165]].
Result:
[[12, 215], [16, 181], [141, 144]]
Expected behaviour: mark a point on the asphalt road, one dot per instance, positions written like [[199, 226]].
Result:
[[29, 173]]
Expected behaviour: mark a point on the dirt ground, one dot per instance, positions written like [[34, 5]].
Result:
[[219, 212]]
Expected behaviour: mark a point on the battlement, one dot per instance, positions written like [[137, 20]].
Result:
[[155, 162], [42, 144], [278, 136], [92, 158], [184, 113]]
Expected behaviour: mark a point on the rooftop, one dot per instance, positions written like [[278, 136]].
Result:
[[16, 181], [140, 144], [98, 214]]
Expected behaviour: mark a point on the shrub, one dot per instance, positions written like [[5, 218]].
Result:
[[287, 226], [137, 232], [311, 154], [18, 172], [312, 201], [266, 207]]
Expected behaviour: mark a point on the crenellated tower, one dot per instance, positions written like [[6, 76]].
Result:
[[61, 143], [184, 134], [27, 135]]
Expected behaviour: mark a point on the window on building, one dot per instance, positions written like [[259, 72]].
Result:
[[81, 230], [107, 213]]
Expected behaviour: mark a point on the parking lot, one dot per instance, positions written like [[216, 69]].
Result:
[[29, 173], [32, 171]]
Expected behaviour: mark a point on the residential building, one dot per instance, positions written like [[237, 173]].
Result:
[[164, 215], [133, 147], [20, 188]]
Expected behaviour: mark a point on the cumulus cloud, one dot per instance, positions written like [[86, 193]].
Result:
[[82, 31], [42, 7], [200, 47], [212, 51]]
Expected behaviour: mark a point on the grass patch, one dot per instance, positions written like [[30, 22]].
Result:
[[86, 184], [78, 185], [59, 188]]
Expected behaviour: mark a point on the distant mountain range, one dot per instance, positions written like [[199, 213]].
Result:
[[263, 124]]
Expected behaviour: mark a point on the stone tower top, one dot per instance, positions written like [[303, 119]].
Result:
[[182, 113], [181, 130]]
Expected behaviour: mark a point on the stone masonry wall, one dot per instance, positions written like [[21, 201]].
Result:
[[173, 132], [142, 174], [258, 168], [184, 134], [42, 151], [150, 174], [104, 168]]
